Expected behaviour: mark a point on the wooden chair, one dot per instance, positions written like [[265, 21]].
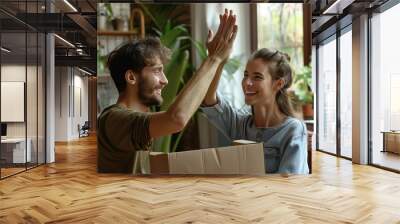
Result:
[[84, 129]]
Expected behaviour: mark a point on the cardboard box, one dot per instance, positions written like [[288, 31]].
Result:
[[244, 157]]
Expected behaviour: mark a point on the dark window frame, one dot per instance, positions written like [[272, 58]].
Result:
[[340, 28]]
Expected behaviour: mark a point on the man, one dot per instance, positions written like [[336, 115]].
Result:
[[137, 71]]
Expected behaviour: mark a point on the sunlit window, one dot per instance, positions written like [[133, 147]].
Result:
[[280, 26], [327, 97], [346, 94], [385, 86]]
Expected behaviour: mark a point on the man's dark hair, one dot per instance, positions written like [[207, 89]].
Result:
[[135, 56]]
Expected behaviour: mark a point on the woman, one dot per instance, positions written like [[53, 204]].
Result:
[[266, 79]]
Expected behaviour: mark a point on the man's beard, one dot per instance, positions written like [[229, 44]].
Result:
[[146, 95]]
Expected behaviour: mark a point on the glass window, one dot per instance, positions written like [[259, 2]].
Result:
[[32, 97], [326, 99], [346, 94], [41, 79], [14, 151], [280, 26], [385, 84], [22, 91]]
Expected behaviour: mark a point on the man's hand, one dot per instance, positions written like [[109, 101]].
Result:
[[221, 44]]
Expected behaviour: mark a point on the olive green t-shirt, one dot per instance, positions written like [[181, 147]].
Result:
[[121, 132]]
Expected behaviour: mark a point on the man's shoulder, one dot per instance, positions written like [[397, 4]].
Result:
[[108, 109], [118, 110], [116, 114], [113, 108]]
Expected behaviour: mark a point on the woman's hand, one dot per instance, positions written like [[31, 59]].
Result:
[[221, 44]]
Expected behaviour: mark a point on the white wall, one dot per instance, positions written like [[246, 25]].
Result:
[[33, 127], [12, 101], [16, 73], [80, 100], [71, 93], [61, 103]]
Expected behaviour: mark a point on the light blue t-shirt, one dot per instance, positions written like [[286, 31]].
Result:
[[285, 146]]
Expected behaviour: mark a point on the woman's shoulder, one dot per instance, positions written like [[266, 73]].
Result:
[[295, 126]]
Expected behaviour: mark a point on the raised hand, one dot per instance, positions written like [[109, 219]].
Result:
[[221, 44]]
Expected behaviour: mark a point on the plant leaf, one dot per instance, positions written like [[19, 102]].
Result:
[[170, 38], [174, 71], [201, 49]]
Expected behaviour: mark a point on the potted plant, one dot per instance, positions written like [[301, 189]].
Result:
[[117, 22], [304, 96]]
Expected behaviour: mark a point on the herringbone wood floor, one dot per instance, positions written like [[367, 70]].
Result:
[[70, 191]]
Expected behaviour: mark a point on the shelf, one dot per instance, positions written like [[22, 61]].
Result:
[[117, 33]]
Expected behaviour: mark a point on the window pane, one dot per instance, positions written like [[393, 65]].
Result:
[[385, 88], [32, 97], [346, 94], [14, 151], [280, 26], [327, 97], [41, 99]]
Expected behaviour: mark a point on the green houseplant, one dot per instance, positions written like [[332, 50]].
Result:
[[302, 91], [109, 11]]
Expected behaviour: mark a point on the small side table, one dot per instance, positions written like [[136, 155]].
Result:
[[391, 141]]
